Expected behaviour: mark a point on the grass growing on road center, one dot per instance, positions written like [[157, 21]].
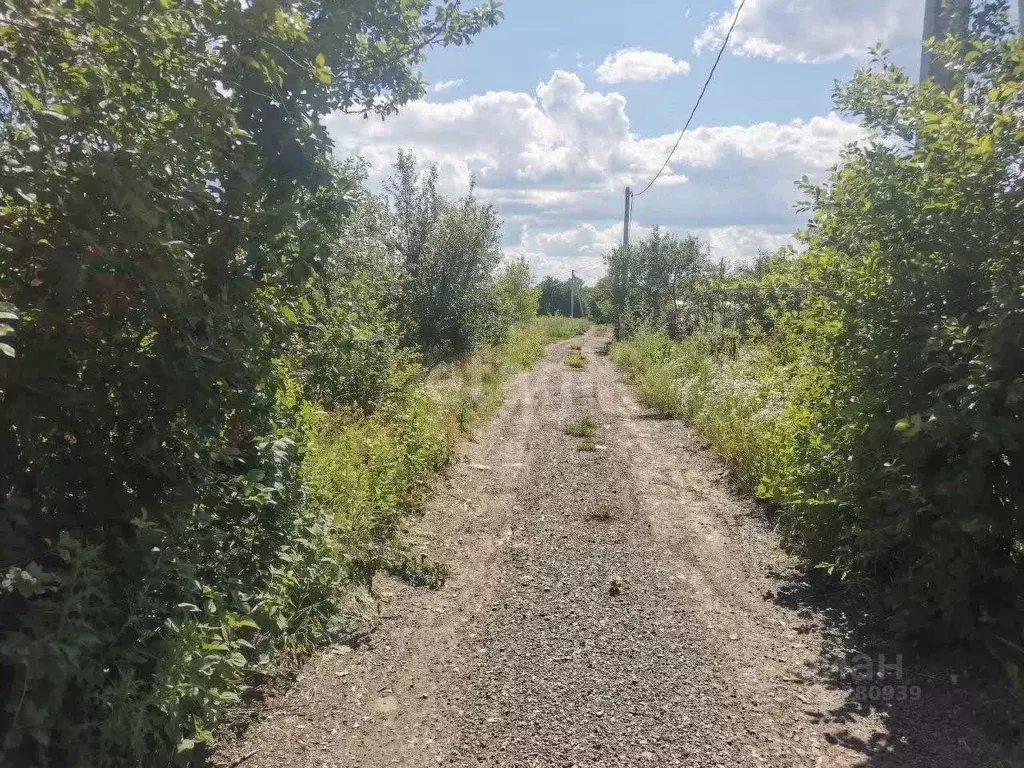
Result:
[[576, 359], [584, 426]]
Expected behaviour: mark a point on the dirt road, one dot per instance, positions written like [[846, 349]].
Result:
[[713, 652]]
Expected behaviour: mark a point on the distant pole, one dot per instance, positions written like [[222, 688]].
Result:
[[940, 18], [625, 215], [572, 293]]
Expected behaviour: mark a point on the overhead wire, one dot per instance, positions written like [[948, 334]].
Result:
[[703, 90]]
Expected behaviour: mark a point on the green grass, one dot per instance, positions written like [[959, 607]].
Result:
[[556, 327], [740, 407], [576, 359], [584, 426], [524, 345]]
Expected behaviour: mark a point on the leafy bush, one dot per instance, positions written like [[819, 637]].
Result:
[[916, 328], [165, 223], [515, 297], [880, 400]]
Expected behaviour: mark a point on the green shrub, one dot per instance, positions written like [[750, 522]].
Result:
[[881, 403], [915, 371], [163, 236]]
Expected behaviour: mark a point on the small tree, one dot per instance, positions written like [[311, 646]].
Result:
[[515, 296], [649, 277], [448, 251]]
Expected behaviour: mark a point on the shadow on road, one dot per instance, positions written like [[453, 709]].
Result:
[[942, 707]]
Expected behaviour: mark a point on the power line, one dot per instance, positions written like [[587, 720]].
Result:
[[703, 90]]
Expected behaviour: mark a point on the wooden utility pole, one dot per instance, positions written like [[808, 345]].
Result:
[[572, 293], [940, 18], [625, 216]]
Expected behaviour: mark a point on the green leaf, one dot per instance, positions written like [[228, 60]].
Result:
[[910, 427], [321, 61], [7, 349], [30, 99]]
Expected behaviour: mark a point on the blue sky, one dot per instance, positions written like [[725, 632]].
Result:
[[565, 102]]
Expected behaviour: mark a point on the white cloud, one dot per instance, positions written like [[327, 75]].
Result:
[[813, 30], [444, 85], [581, 248], [633, 65], [741, 245], [555, 163]]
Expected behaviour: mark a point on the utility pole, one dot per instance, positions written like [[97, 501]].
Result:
[[940, 18], [572, 293], [625, 216]]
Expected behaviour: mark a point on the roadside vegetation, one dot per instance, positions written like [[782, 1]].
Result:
[[227, 371], [871, 384]]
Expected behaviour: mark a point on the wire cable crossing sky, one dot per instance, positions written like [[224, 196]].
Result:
[[553, 119], [700, 98]]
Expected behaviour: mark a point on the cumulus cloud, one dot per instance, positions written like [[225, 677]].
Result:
[[581, 248], [634, 65], [555, 163], [813, 30], [741, 245], [444, 85]]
